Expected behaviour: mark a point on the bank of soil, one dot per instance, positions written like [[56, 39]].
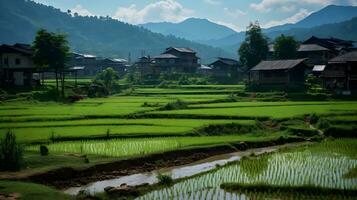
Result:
[[67, 177]]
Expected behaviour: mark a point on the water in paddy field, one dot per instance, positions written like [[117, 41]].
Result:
[[175, 172], [300, 168], [285, 168]]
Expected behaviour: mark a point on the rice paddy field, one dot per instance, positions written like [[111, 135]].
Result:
[[137, 123], [323, 165]]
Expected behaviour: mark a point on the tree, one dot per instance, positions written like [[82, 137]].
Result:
[[108, 77], [51, 51], [11, 153], [255, 47], [285, 47]]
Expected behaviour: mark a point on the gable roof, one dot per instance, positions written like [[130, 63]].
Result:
[[331, 43], [348, 57], [181, 49], [17, 48], [227, 61], [312, 47], [165, 56], [277, 64]]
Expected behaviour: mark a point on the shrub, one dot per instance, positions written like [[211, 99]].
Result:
[[43, 150], [11, 153], [314, 118], [175, 105], [323, 124], [164, 179]]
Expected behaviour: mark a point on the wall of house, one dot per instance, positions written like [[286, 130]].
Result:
[[17, 61]]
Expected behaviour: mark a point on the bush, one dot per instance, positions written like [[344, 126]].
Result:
[[11, 153], [323, 124], [175, 105], [43, 150], [314, 118], [164, 179]]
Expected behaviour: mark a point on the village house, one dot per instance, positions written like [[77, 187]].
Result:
[[225, 67], [282, 73], [176, 59], [340, 74], [336, 45], [92, 65], [17, 67]]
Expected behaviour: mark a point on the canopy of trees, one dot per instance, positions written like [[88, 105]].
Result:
[[285, 47], [255, 47], [51, 51]]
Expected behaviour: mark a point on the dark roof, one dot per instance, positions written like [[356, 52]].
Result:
[[312, 47], [277, 64], [348, 57], [227, 61], [165, 56], [331, 43], [18, 48], [181, 49]]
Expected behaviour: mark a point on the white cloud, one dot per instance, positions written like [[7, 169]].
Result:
[[212, 2], [287, 5], [234, 13], [80, 10], [229, 25], [164, 10], [293, 19]]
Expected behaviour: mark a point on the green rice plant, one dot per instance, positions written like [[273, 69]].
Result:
[[296, 167]]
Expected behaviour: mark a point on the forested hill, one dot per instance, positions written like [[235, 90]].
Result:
[[20, 19], [345, 30]]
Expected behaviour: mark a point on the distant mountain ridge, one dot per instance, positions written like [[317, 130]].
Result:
[[194, 29], [20, 19]]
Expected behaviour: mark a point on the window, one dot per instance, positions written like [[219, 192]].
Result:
[[6, 61], [17, 61]]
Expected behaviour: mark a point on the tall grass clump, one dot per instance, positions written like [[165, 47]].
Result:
[[11, 153], [179, 104], [164, 179]]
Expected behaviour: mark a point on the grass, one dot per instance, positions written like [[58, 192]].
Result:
[[144, 146], [43, 130], [30, 191], [291, 168], [261, 109]]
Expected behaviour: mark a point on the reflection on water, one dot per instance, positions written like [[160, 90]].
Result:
[[299, 168], [175, 172]]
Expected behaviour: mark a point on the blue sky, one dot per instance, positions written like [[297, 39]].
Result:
[[233, 13]]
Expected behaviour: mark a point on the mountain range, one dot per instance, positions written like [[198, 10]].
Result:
[[194, 29], [103, 36], [107, 37]]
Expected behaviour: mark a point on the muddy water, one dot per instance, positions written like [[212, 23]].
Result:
[[175, 172]]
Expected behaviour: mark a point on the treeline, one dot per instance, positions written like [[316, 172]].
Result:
[[102, 36]]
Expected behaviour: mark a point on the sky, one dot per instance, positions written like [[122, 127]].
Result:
[[235, 14]]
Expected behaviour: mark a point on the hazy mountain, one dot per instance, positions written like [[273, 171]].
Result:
[[20, 19], [330, 16], [192, 29], [344, 30]]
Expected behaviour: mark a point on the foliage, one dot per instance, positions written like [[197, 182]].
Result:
[[164, 179], [11, 153], [179, 104], [108, 78], [255, 47], [285, 47], [51, 51], [43, 150], [323, 123]]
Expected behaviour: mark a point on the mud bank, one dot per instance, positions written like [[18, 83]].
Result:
[[70, 177]]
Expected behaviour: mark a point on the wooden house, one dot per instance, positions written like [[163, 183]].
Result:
[[176, 59], [279, 73], [341, 73], [225, 67], [17, 67], [315, 54]]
